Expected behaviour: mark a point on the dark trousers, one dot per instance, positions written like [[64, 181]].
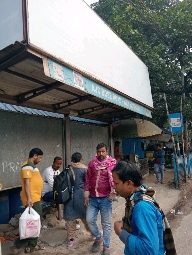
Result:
[[30, 242], [48, 197]]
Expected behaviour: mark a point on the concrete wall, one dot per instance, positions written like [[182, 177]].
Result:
[[85, 137], [19, 133]]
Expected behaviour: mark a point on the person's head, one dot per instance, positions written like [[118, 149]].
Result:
[[158, 146], [102, 151], [76, 157], [35, 155], [57, 162], [117, 143], [126, 178]]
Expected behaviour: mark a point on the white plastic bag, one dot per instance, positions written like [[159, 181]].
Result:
[[29, 224]]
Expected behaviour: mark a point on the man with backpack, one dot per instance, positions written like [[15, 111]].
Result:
[[59, 185], [74, 208], [99, 194], [142, 229]]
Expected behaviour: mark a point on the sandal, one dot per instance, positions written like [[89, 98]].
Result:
[[38, 247]]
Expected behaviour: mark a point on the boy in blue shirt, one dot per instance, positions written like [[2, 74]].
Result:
[[142, 227]]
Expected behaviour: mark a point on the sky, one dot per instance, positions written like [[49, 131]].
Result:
[[90, 1]]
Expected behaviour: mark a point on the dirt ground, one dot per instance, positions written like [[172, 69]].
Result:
[[183, 208], [55, 239]]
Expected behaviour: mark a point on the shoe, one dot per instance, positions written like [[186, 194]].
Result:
[[71, 242], [157, 181], [162, 182], [106, 251], [96, 245]]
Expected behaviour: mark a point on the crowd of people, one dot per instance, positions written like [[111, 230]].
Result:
[[95, 188]]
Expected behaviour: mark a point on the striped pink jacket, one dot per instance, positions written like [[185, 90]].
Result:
[[99, 180]]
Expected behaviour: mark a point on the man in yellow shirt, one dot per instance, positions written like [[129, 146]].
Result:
[[32, 186]]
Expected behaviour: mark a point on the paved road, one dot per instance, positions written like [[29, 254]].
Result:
[[182, 227], [183, 236]]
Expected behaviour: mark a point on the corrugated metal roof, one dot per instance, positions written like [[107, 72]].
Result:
[[11, 51], [23, 82], [21, 109], [88, 120]]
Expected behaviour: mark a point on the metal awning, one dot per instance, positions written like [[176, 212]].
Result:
[[31, 111], [160, 138], [132, 128], [23, 82]]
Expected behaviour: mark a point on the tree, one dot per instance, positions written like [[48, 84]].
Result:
[[160, 33]]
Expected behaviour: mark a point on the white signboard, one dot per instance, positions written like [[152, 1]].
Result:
[[70, 31], [175, 122]]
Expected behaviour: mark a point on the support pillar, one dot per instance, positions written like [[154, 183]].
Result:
[[66, 153], [111, 142], [67, 141], [186, 136]]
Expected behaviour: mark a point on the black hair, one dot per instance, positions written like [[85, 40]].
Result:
[[117, 142], [36, 151], [57, 158], [101, 145], [158, 145], [127, 170], [76, 157]]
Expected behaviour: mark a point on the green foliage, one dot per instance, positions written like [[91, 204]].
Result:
[[160, 33]]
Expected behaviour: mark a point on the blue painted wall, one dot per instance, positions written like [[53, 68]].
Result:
[[133, 146]]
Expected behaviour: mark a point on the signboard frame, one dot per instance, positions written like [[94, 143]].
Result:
[[176, 122], [68, 76]]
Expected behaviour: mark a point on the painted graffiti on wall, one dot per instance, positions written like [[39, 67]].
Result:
[[11, 166]]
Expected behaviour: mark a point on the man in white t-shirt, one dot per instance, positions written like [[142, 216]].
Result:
[[48, 177]]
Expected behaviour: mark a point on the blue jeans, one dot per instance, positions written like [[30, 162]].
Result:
[[103, 205], [159, 168], [48, 197]]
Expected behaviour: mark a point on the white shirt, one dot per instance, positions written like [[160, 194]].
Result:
[[48, 179]]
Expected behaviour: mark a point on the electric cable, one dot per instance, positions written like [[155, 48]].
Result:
[[160, 35]]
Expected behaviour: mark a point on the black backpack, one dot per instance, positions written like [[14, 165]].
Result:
[[63, 186]]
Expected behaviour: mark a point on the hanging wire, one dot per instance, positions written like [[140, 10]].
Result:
[[151, 16], [160, 35]]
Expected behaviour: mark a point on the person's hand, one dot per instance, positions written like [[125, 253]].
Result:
[[86, 201], [29, 202], [118, 225], [111, 196]]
